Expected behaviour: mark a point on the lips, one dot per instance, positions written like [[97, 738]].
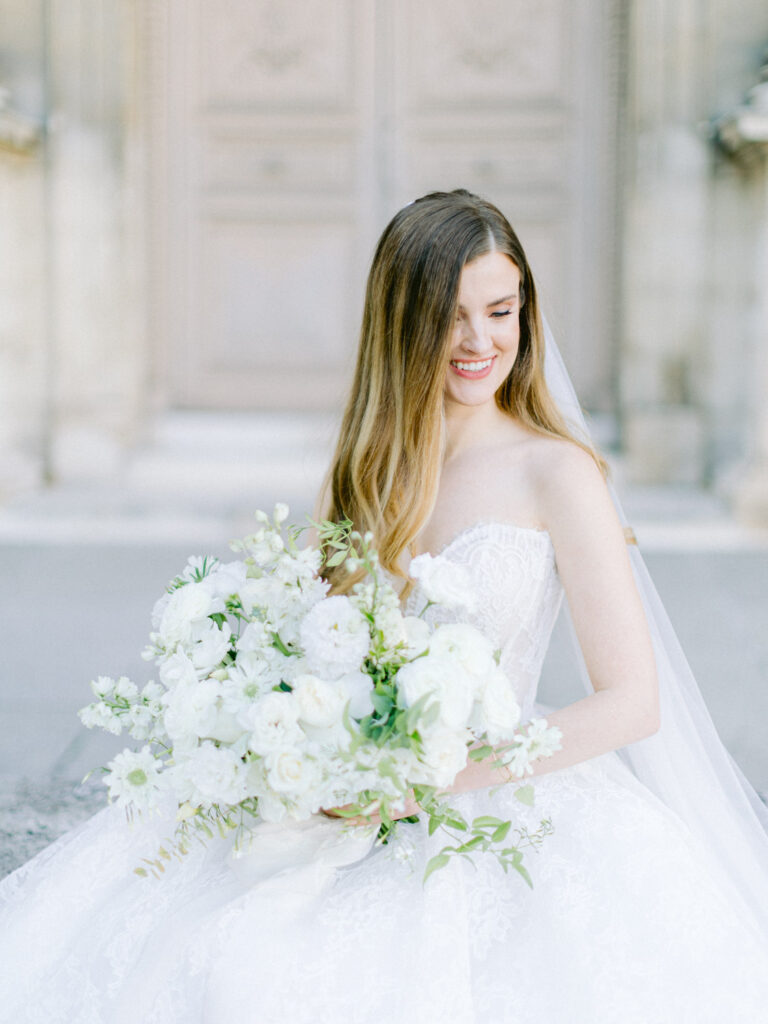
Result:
[[472, 369]]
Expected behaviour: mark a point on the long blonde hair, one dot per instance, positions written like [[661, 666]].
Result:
[[386, 468]]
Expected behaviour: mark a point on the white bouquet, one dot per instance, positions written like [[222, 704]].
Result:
[[275, 700]]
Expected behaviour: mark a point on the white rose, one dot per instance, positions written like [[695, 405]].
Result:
[[498, 711], [443, 757], [290, 772], [442, 678], [320, 704], [443, 582], [335, 636], [273, 722]]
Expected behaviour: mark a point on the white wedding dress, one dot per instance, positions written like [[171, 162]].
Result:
[[629, 921]]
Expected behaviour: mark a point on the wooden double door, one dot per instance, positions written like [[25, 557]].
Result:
[[284, 134]]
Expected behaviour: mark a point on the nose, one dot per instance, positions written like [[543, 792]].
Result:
[[473, 337]]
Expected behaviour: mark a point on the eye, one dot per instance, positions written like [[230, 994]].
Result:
[[501, 312]]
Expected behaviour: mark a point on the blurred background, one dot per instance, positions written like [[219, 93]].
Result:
[[190, 193]]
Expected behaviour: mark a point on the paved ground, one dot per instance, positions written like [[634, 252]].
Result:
[[74, 610]]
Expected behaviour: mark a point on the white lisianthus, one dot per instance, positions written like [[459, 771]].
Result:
[[471, 649], [443, 679], [320, 704], [290, 771], [335, 636], [443, 582], [134, 778], [210, 775], [273, 723], [191, 711], [498, 711], [443, 757]]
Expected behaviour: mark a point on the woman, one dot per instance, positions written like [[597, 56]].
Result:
[[451, 443]]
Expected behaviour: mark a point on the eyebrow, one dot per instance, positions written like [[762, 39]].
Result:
[[498, 302]]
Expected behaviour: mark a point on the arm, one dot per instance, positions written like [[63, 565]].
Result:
[[608, 616]]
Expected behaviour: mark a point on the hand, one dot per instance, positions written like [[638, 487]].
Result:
[[410, 807]]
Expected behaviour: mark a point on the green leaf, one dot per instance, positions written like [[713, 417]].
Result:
[[141, 871], [525, 795], [486, 821], [501, 832], [434, 824], [435, 863], [471, 844], [480, 753], [521, 870]]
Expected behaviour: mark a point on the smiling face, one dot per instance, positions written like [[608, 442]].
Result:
[[486, 334]]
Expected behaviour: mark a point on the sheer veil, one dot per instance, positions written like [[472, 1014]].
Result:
[[685, 763]]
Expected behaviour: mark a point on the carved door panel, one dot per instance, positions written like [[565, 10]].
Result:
[[515, 99], [294, 128], [268, 206]]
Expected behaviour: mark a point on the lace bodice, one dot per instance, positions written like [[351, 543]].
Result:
[[519, 594]]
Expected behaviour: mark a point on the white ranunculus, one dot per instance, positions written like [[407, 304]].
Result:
[[320, 704], [443, 679], [498, 709], [210, 775], [467, 645], [273, 723], [186, 612], [134, 778], [210, 649], [191, 710], [335, 636], [289, 771], [443, 582], [443, 757]]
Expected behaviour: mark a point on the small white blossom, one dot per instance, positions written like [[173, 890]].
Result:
[[134, 779]]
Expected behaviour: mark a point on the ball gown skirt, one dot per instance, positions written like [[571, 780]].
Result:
[[628, 921]]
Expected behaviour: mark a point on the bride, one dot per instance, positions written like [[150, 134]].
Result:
[[649, 901]]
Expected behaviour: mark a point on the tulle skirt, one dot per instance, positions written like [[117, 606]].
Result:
[[627, 922]]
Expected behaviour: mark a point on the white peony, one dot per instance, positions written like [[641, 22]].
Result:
[[443, 757], [134, 778], [210, 648], [185, 615], [443, 582], [320, 704], [210, 775], [273, 723], [191, 711], [175, 669], [443, 679], [335, 636]]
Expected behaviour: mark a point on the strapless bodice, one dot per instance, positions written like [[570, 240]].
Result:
[[514, 576]]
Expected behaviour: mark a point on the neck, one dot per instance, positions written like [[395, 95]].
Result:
[[466, 425]]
